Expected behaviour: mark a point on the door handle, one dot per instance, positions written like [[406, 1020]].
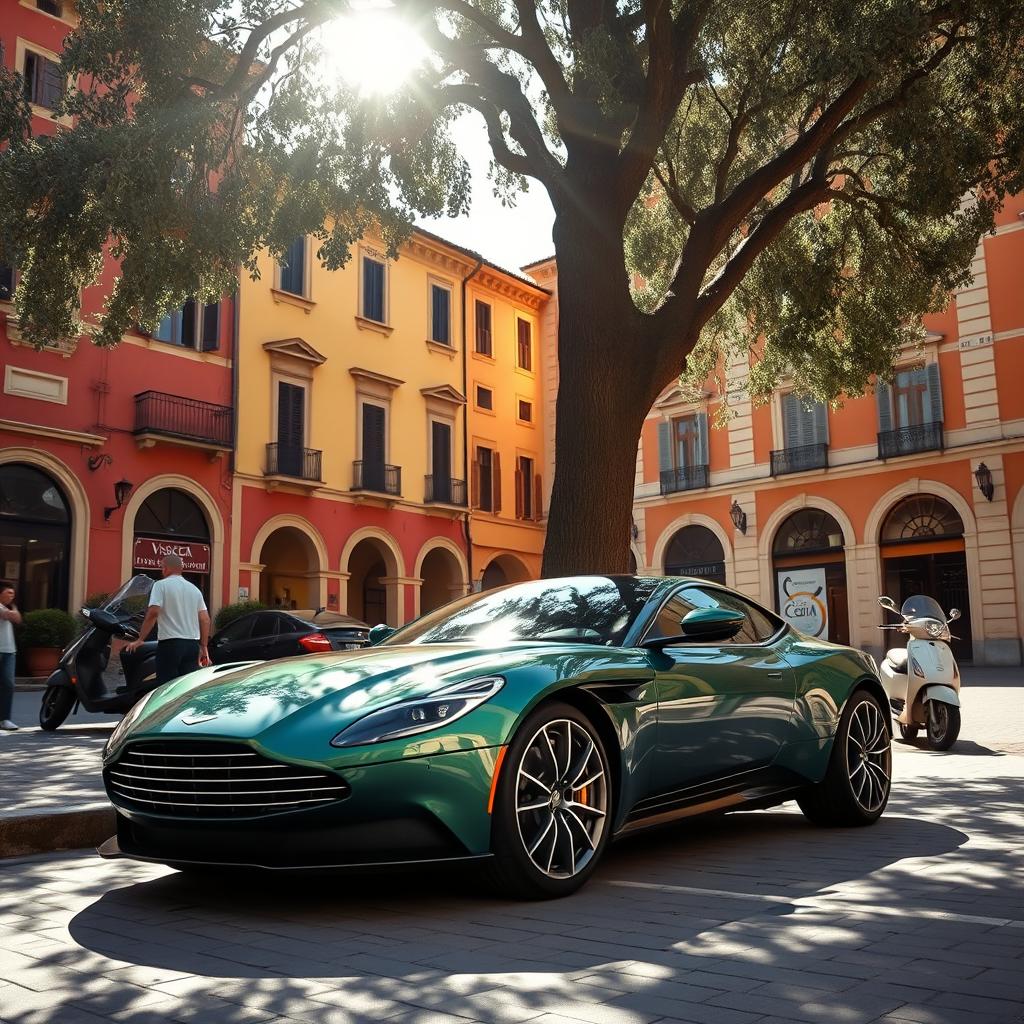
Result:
[[774, 675]]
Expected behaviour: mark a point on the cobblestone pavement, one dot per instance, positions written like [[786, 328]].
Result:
[[752, 919]]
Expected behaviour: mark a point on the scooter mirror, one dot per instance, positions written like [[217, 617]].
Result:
[[889, 604], [954, 614]]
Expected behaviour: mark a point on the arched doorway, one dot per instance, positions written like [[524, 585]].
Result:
[[442, 579], [922, 546], [170, 521], [35, 536], [695, 551], [810, 574], [367, 589], [291, 570], [501, 570]]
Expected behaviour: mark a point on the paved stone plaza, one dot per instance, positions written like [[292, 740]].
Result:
[[753, 918]]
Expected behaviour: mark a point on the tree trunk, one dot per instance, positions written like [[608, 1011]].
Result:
[[606, 387]]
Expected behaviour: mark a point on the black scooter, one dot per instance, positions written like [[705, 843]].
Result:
[[84, 675]]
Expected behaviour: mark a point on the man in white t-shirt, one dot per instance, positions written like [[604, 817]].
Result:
[[177, 609]]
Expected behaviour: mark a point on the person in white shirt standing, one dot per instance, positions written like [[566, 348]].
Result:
[[177, 609], [9, 618]]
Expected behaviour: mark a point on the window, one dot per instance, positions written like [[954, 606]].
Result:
[[441, 460], [240, 629], [527, 489], [670, 615], [524, 352], [50, 7], [525, 411], [483, 329], [192, 325], [909, 394], [440, 314], [6, 283], [684, 442], [293, 268], [760, 625], [487, 480], [44, 83], [373, 290], [291, 428], [484, 397], [265, 625], [803, 422]]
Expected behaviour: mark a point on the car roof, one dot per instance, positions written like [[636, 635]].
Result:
[[323, 618]]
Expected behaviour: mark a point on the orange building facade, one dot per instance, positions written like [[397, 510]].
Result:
[[918, 486]]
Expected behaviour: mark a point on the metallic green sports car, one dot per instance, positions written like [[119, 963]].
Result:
[[523, 727]]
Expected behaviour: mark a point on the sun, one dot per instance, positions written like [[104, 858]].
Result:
[[372, 49]]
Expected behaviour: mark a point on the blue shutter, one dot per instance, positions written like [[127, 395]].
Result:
[[792, 421], [883, 395], [293, 270], [702, 439], [819, 423], [933, 407], [664, 446]]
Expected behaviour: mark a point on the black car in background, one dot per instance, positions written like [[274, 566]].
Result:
[[266, 635]]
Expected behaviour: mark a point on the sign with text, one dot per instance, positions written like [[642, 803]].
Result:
[[802, 601], [149, 553]]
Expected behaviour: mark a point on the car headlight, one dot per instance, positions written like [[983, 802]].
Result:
[[420, 715]]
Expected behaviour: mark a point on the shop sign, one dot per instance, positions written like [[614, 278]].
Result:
[[149, 553], [802, 600]]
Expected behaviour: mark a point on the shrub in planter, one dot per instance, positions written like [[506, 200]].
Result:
[[230, 612], [44, 633]]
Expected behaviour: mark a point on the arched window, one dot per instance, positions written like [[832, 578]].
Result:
[[35, 536], [921, 517], [695, 551], [172, 513], [808, 531]]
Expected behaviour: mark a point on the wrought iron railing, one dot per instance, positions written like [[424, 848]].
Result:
[[796, 460], [291, 460], [444, 490], [187, 418], [685, 478], [376, 476], [921, 437]]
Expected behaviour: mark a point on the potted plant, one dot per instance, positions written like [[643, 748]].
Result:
[[43, 635]]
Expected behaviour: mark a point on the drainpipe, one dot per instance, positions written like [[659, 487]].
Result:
[[465, 426], [236, 317]]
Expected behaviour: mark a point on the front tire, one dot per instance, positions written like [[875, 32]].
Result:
[[943, 726], [55, 707], [908, 733], [857, 781], [553, 804]]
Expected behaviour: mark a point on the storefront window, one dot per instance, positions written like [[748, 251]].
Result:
[[171, 521], [695, 551], [35, 537]]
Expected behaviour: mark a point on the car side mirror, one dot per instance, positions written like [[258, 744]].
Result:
[[954, 614], [379, 633], [716, 623]]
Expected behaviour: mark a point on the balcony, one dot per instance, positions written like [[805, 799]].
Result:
[[687, 478], [377, 477], [443, 490], [163, 417], [920, 437], [800, 458], [285, 460]]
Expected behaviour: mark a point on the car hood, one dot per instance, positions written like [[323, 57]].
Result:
[[325, 693]]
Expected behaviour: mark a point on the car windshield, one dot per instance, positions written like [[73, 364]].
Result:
[[921, 607], [586, 609]]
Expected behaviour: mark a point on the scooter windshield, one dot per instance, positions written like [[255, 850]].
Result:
[[921, 607], [132, 598]]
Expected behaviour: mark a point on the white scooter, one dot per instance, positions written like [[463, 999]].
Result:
[[922, 679]]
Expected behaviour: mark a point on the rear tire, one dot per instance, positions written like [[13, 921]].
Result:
[[908, 733], [55, 707], [857, 781], [553, 807], [943, 726]]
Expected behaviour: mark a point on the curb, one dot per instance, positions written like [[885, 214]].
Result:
[[49, 831]]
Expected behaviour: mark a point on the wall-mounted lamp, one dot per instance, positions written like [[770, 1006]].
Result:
[[121, 491], [738, 517], [95, 461], [984, 477]]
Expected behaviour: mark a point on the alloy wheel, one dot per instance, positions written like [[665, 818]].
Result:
[[561, 798], [868, 756]]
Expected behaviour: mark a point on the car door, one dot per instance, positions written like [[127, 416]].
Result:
[[264, 636], [723, 707], [289, 631], [229, 643]]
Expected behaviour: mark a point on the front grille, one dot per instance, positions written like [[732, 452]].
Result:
[[198, 779]]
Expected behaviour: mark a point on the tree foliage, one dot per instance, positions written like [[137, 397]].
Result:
[[720, 171]]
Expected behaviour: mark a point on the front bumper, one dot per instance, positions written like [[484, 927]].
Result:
[[419, 809]]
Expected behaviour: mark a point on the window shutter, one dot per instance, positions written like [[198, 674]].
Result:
[[664, 446], [440, 310], [373, 290], [496, 481], [819, 423], [474, 483], [883, 396], [702, 439], [211, 327], [791, 421], [52, 84], [933, 409], [538, 493], [520, 484]]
